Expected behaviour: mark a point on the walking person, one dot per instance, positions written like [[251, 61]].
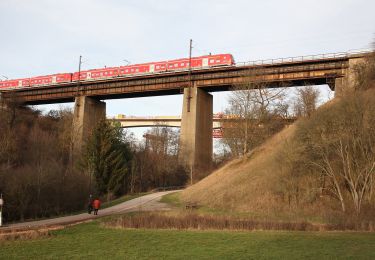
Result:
[[89, 206], [96, 206]]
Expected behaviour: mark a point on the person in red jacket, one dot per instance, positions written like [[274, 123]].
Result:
[[96, 206]]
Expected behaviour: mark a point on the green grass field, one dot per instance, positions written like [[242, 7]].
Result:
[[91, 240]]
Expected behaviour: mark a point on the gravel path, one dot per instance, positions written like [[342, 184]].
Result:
[[145, 203]]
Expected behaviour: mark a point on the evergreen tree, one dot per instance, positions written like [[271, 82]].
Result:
[[107, 159]]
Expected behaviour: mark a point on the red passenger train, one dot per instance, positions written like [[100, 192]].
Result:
[[122, 71]]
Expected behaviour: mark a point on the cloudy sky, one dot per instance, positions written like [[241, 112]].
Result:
[[40, 37]]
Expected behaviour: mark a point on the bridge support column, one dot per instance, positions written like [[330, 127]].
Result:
[[347, 83], [196, 131], [2, 105], [87, 114]]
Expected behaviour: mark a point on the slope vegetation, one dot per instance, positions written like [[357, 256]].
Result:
[[244, 184], [319, 167]]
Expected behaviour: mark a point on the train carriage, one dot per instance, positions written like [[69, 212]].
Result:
[[158, 66], [79, 76], [136, 69], [41, 80], [24, 82], [221, 59], [62, 77], [196, 62], [9, 84], [103, 73], [179, 64]]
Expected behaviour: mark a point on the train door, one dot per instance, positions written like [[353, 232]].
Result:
[[205, 62], [88, 75], [54, 79], [152, 67]]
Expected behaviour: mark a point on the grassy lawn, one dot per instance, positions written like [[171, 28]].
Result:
[[91, 240]]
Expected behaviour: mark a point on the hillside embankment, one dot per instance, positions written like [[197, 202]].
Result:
[[244, 184], [319, 169]]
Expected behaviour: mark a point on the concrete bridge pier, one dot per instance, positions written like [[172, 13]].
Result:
[[196, 130], [87, 114], [2, 104], [346, 84]]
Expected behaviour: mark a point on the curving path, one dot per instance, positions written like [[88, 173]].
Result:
[[145, 203]]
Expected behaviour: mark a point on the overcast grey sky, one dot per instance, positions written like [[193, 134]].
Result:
[[40, 37]]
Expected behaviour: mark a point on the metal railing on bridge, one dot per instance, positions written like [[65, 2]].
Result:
[[305, 58]]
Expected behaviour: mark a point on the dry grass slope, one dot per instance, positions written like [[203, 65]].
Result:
[[244, 184]]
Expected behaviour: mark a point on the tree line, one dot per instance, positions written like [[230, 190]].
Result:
[[38, 177]]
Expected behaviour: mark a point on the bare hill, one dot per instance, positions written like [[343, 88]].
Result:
[[244, 184]]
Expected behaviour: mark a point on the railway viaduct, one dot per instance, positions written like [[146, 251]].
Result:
[[336, 70]]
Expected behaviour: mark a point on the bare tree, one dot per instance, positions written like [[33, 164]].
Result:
[[306, 101], [340, 143], [155, 160], [253, 104]]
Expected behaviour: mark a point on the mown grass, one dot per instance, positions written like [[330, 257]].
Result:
[[91, 240], [172, 199]]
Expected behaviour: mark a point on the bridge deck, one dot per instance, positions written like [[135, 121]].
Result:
[[292, 73]]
